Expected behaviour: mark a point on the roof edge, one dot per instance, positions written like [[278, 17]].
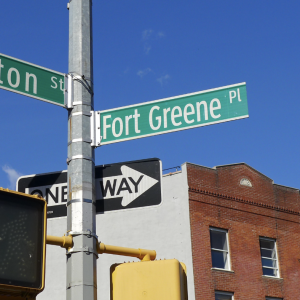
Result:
[[287, 187], [212, 169], [243, 163]]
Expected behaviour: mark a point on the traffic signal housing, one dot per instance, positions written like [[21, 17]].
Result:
[[23, 220], [153, 280]]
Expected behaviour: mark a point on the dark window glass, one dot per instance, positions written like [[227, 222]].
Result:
[[223, 296], [268, 253], [269, 263], [219, 259], [268, 257], [219, 248], [269, 272], [218, 239], [267, 244]]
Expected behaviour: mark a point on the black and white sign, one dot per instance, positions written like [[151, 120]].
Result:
[[118, 186]]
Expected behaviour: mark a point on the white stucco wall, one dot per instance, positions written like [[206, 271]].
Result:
[[164, 228]]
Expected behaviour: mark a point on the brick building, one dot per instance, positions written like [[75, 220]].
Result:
[[245, 234]]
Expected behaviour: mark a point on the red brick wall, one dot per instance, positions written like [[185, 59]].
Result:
[[217, 199]]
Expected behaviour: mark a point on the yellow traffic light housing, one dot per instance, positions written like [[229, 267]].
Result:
[[153, 280], [23, 220]]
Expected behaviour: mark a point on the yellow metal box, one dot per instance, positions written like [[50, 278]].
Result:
[[150, 280]]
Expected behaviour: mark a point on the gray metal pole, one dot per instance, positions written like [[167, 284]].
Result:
[[81, 259]]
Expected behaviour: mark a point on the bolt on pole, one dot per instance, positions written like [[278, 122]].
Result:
[[81, 218]]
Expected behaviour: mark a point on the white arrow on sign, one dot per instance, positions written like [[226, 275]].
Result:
[[130, 185]]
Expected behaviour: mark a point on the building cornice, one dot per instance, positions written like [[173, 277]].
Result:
[[241, 200]]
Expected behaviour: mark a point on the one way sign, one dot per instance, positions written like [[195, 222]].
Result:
[[129, 185], [118, 186]]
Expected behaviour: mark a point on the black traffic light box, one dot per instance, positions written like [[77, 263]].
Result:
[[22, 245]]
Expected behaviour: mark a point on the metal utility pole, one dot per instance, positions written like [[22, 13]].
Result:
[[81, 259]]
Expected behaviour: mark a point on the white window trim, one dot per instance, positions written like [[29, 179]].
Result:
[[223, 270], [228, 251], [277, 262], [225, 294]]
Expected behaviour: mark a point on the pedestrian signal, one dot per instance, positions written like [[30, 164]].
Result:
[[22, 244]]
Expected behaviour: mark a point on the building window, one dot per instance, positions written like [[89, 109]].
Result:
[[272, 298], [223, 296], [269, 257], [219, 248]]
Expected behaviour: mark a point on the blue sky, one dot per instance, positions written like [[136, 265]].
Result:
[[148, 50]]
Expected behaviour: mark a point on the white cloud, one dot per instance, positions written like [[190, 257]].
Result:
[[160, 34], [163, 79], [149, 35], [147, 48], [146, 34], [144, 72], [13, 175], [126, 71]]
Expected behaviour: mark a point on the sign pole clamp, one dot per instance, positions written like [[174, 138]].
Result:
[[69, 92], [95, 140], [95, 129]]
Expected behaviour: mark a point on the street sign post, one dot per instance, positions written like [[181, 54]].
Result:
[[172, 114], [81, 279], [31, 80], [119, 186]]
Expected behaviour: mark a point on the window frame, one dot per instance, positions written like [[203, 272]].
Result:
[[225, 294], [219, 250], [263, 257]]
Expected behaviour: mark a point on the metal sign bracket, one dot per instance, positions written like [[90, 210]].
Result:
[[95, 129], [69, 87]]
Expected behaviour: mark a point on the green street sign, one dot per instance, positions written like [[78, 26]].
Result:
[[173, 114], [31, 80]]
